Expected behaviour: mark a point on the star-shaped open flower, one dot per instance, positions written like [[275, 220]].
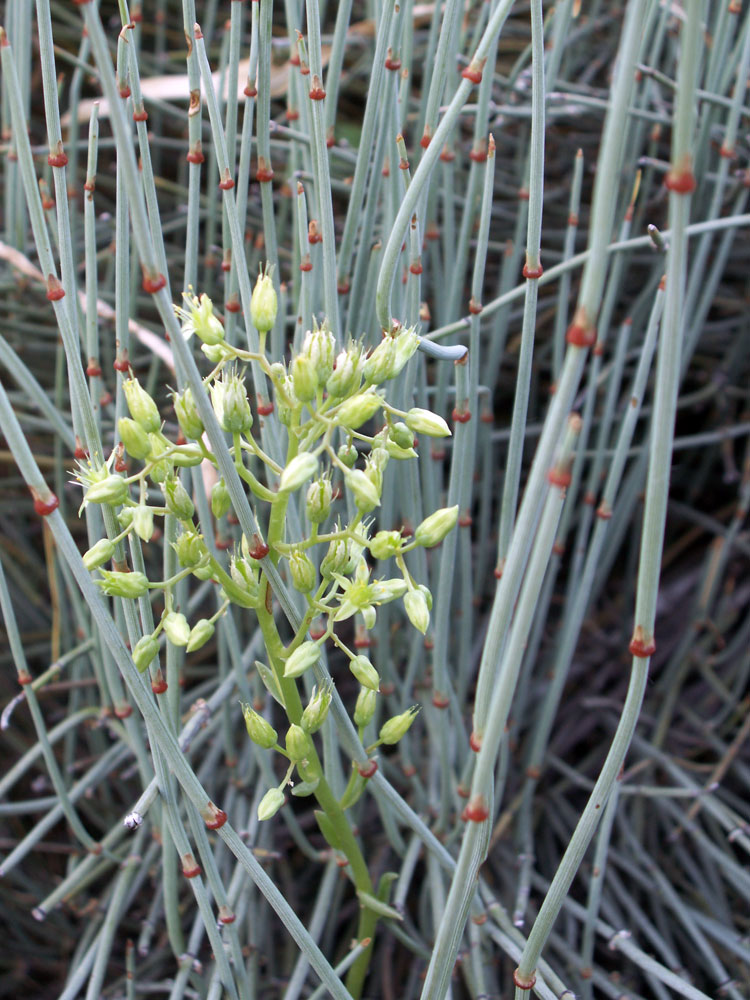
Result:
[[359, 595]]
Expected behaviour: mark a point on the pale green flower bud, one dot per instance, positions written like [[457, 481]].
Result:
[[118, 584], [407, 343], [178, 500], [347, 375], [365, 672], [302, 572], [162, 467], [358, 410], [245, 578], [400, 434], [304, 378], [381, 363], [426, 422], [384, 591], [392, 730], [215, 352], [260, 730], [365, 707], [348, 455], [134, 438], [415, 605], [98, 554], [142, 407], [427, 595], [316, 710], [270, 804], [176, 628], [112, 490], [319, 346], [199, 318], [435, 527], [125, 517], [366, 496], [304, 656], [187, 414], [299, 746], [319, 499], [200, 633], [385, 544], [231, 405], [190, 548], [143, 522], [263, 303], [220, 500], [335, 559], [300, 469], [145, 650]]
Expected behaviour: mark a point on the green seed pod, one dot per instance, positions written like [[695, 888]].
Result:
[[187, 414], [190, 548], [270, 804], [260, 731], [111, 490], [417, 611], [347, 375], [186, 456], [316, 711], [302, 572], [300, 469], [319, 346], [365, 672], [220, 500], [435, 527], [99, 554], [178, 500], [335, 559], [392, 730], [381, 363], [401, 435], [365, 707], [134, 438], [348, 455], [385, 544], [200, 633], [366, 495], [145, 650], [176, 628], [199, 318], [142, 407]]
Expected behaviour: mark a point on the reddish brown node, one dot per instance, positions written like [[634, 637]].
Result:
[[232, 306], [159, 686], [153, 283], [415, 268], [479, 919], [598, 349], [447, 156], [475, 307], [424, 142], [487, 417], [24, 677], [306, 264], [193, 871], [195, 155], [391, 62], [264, 409], [80, 453], [532, 272], [58, 159], [438, 454], [124, 92], [403, 163], [580, 336], [429, 643], [264, 173], [140, 116], [604, 513], [313, 233], [589, 499], [680, 181], [735, 7], [294, 57], [461, 416], [475, 742], [572, 219], [122, 466], [258, 549], [227, 918], [408, 770], [476, 810], [48, 203], [523, 982], [478, 155], [317, 93], [640, 646], [226, 184], [217, 820], [121, 364], [317, 633], [232, 518], [123, 711], [387, 688], [368, 770], [523, 194], [473, 72], [440, 700], [343, 287], [44, 507], [226, 266], [465, 521], [292, 115], [558, 548], [222, 544], [342, 862], [55, 290], [93, 369], [362, 642]]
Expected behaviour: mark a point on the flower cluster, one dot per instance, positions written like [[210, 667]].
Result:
[[324, 400]]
